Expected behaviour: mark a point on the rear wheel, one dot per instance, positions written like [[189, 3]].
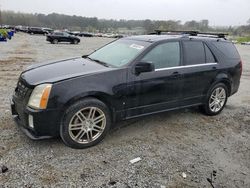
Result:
[[85, 123], [75, 42], [216, 99], [55, 41]]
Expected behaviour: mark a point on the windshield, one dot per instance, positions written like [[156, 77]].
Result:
[[120, 52]]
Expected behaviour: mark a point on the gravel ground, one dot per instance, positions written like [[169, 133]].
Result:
[[168, 143]]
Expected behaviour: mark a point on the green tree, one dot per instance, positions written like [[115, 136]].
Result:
[[148, 26]]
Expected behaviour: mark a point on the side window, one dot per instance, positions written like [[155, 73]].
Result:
[[194, 52], [164, 55], [209, 55], [59, 34]]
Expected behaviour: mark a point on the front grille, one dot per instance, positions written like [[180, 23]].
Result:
[[21, 89]]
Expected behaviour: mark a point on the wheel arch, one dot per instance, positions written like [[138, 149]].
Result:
[[101, 96], [228, 85], [221, 78]]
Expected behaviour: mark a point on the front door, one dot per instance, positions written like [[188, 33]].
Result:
[[158, 90]]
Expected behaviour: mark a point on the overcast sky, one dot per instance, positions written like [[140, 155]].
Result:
[[218, 12]]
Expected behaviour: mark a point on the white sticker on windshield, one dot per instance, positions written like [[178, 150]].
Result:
[[136, 46]]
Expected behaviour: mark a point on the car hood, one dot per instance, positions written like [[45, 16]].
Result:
[[60, 70]]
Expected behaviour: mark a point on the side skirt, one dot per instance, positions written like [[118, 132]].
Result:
[[156, 112]]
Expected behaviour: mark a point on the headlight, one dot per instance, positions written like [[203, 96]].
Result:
[[40, 96]]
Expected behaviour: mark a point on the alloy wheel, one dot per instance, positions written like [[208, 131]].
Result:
[[87, 125], [217, 99]]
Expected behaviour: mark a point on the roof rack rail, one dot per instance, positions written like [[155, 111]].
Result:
[[219, 35], [191, 33], [159, 32]]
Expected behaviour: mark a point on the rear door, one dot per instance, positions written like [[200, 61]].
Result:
[[65, 37], [198, 71], [58, 36]]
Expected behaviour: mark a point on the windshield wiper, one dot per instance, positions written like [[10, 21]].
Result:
[[97, 61]]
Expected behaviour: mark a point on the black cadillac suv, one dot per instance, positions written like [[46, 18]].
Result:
[[78, 99]]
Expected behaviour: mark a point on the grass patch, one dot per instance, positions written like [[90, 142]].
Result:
[[243, 39]]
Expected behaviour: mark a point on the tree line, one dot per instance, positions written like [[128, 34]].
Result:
[[93, 24]]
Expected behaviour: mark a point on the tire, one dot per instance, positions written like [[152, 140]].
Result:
[[55, 41], [216, 100], [74, 42], [78, 129]]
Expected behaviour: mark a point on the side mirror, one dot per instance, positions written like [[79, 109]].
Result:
[[85, 56], [144, 67]]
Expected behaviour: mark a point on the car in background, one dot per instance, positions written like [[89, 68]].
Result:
[[57, 37], [5, 27], [98, 34], [85, 34], [37, 30], [21, 28], [75, 33], [49, 30], [118, 36], [108, 35], [245, 43], [113, 35]]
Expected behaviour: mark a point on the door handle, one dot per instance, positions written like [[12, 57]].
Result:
[[214, 68], [176, 75]]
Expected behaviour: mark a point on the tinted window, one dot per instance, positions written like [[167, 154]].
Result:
[[209, 55], [58, 33], [164, 55], [194, 52], [35, 29], [227, 48], [66, 34]]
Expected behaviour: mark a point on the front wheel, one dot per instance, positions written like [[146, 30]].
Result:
[[85, 123], [216, 99]]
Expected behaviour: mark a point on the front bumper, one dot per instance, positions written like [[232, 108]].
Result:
[[28, 132], [45, 122]]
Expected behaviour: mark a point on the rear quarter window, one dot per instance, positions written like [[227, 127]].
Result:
[[227, 48], [194, 52], [209, 56]]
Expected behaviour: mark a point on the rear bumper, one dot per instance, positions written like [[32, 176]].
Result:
[[45, 122], [235, 88]]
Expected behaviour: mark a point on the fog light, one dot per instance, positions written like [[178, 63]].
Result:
[[31, 122]]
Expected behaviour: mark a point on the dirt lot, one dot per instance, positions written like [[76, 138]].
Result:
[[169, 143]]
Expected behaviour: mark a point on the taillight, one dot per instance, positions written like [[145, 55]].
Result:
[[240, 67]]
